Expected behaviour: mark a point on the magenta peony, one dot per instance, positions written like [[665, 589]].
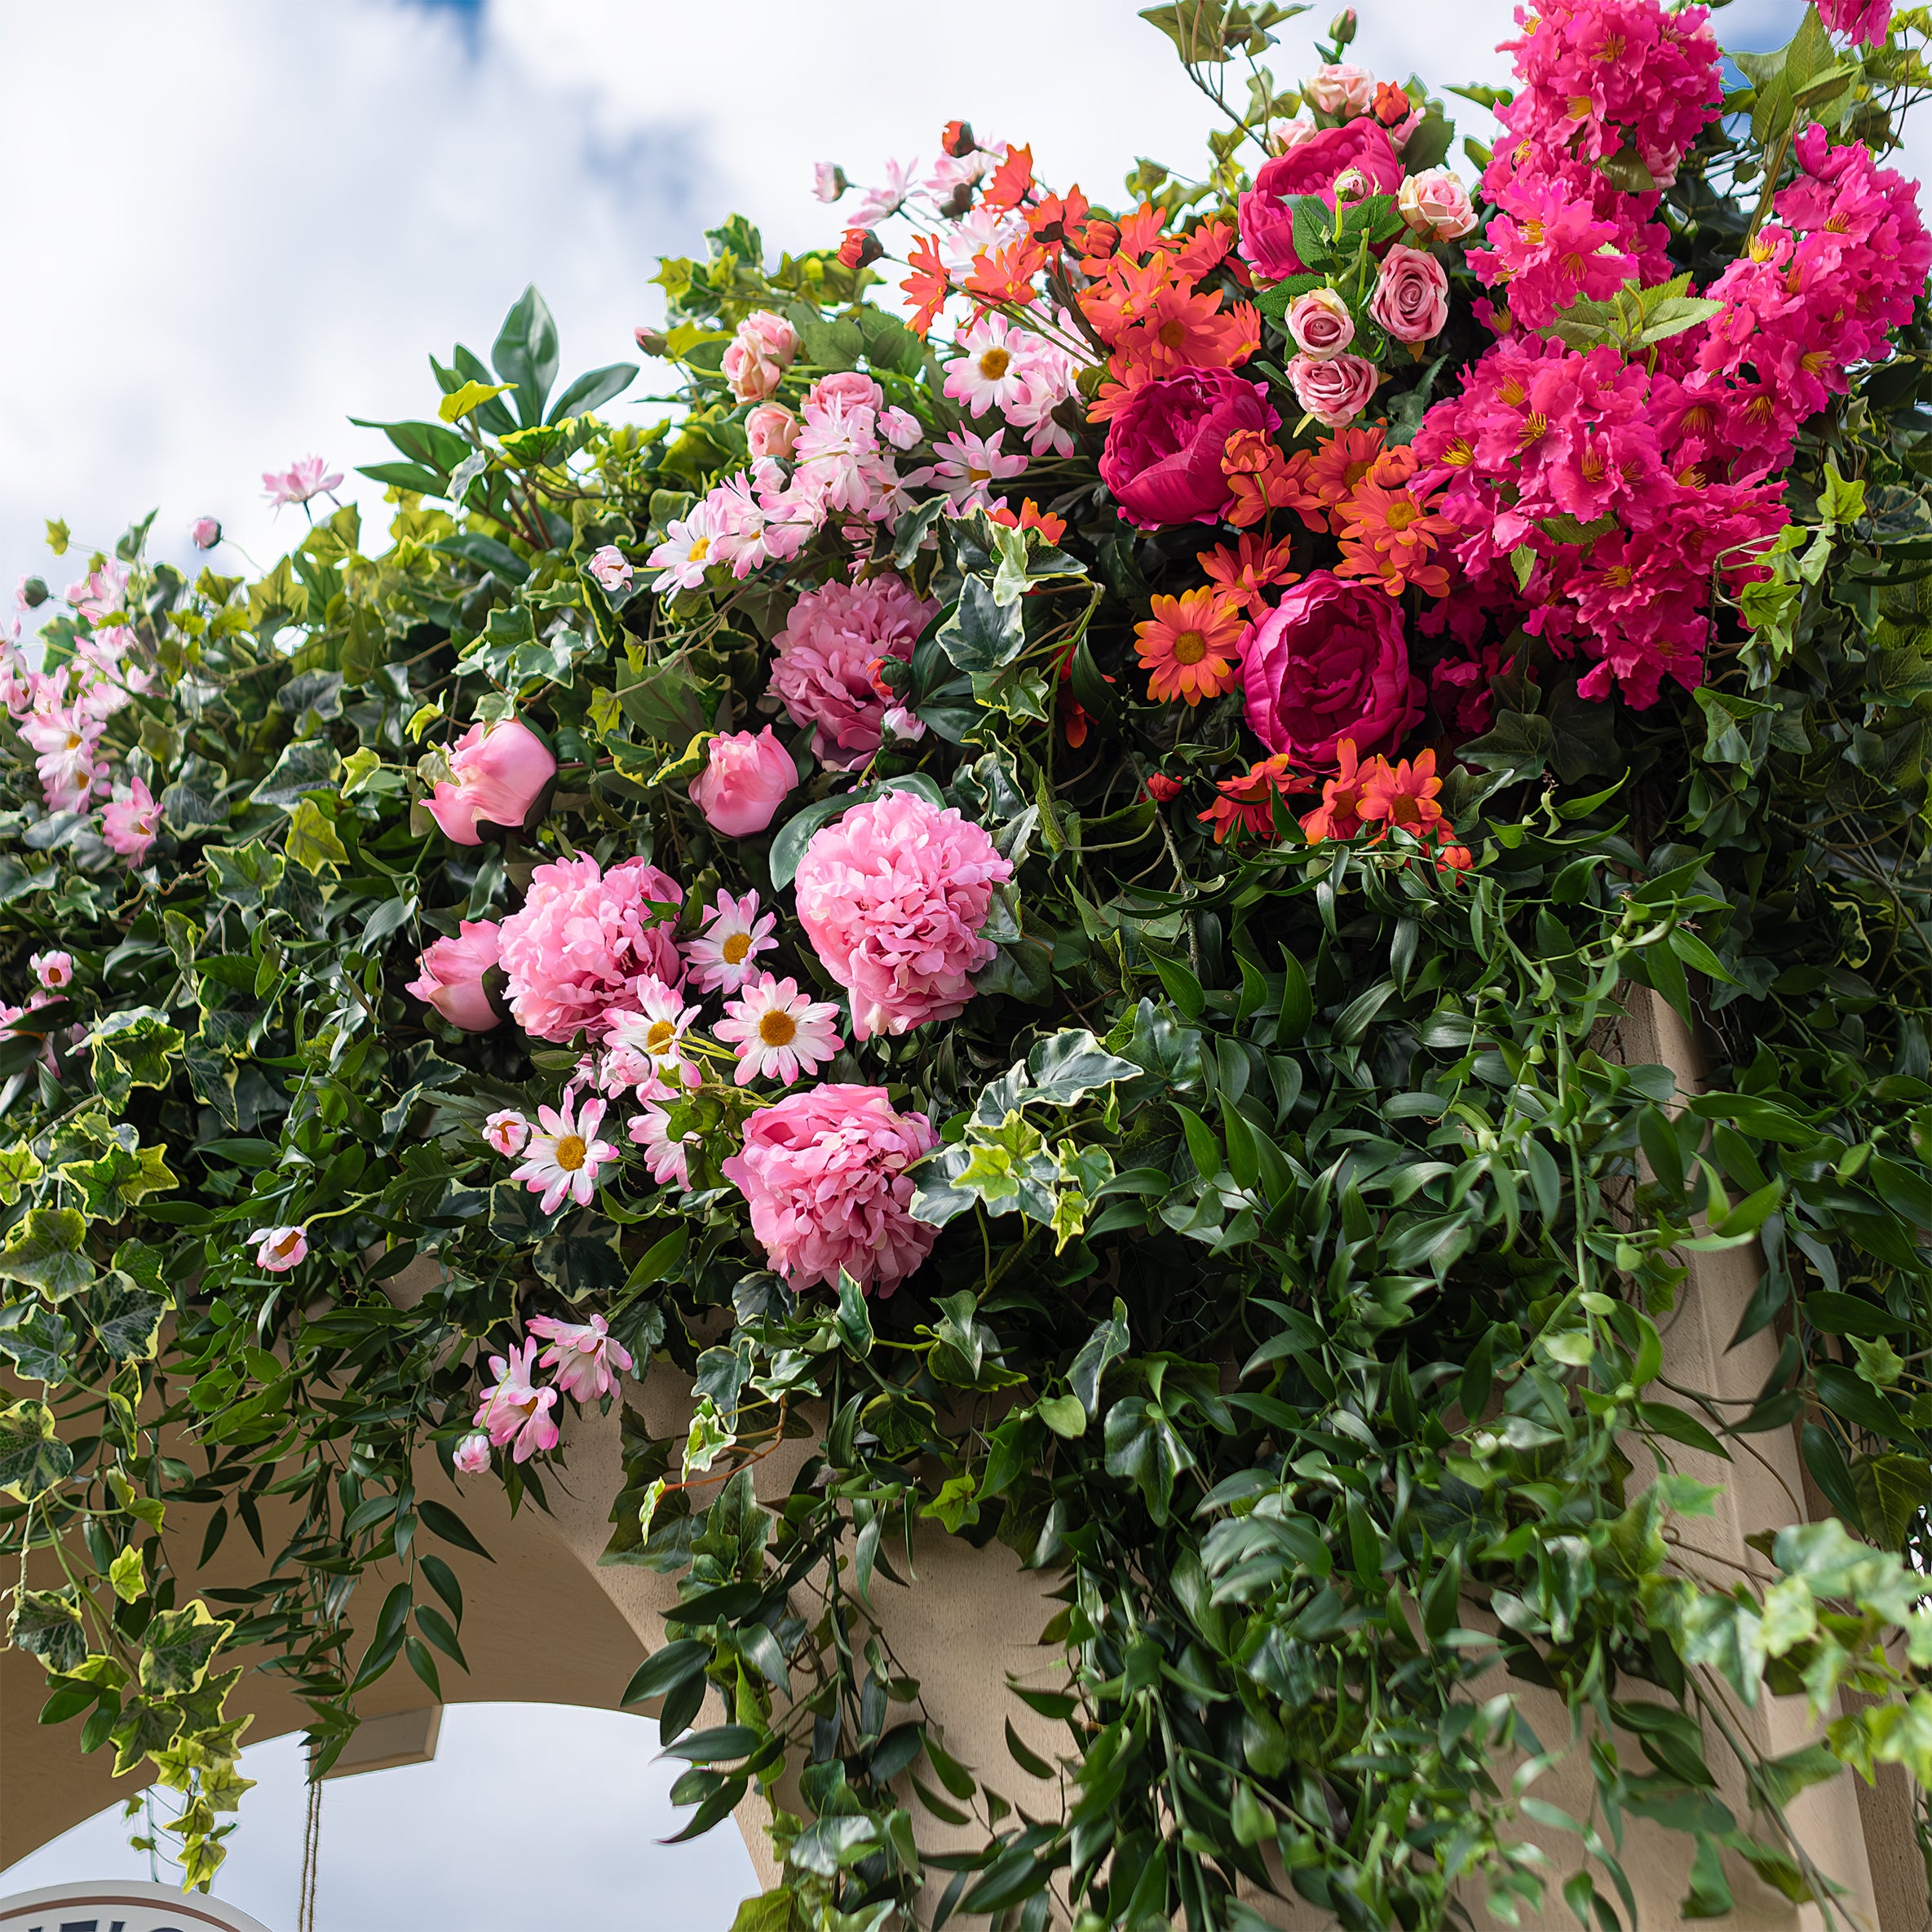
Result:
[[585, 944], [824, 1172], [1310, 167], [1866, 20], [830, 641], [1163, 456], [893, 897], [450, 976], [497, 773], [745, 778], [1329, 662], [1411, 302]]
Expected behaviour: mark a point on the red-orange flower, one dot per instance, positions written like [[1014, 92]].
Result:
[[1258, 474], [1245, 573], [1192, 646], [928, 283], [1004, 277], [1202, 249], [1012, 180], [1339, 814], [1121, 293], [1161, 787], [858, 248], [1031, 517], [1058, 220], [1338, 467], [957, 138], [1182, 328], [1388, 534], [1404, 795], [1392, 105], [1247, 803]]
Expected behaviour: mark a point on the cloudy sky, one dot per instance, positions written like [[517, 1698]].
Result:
[[229, 226]]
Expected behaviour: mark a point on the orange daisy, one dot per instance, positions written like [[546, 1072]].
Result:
[[1341, 463], [1339, 814], [1389, 534], [1259, 476], [1005, 276], [1031, 517], [1012, 180], [1404, 795], [1191, 645], [1184, 329], [928, 283], [1245, 573], [1246, 803]]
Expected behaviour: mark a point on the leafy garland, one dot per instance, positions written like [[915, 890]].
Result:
[[1305, 1238]]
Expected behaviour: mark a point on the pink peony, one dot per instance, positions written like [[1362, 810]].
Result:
[[278, 1249], [587, 1360], [744, 782], [892, 897], [771, 429], [1411, 302], [1335, 391], [513, 1410], [830, 641], [470, 1456], [205, 532], [1319, 324], [824, 1172], [131, 822], [1330, 662], [1163, 456], [1310, 167], [760, 353], [450, 976], [1343, 90], [498, 773], [1436, 206], [585, 943]]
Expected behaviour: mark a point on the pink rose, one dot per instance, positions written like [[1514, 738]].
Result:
[[760, 353], [771, 429], [1333, 392], [1436, 206], [744, 780], [1320, 324], [1329, 662], [1410, 300], [1310, 168], [825, 1174], [1163, 456], [1291, 134], [497, 773], [849, 386], [450, 976], [1343, 90]]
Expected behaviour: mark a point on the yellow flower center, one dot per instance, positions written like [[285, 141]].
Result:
[[1459, 454], [777, 1029], [73, 740], [1402, 513], [570, 1152], [1174, 334], [974, 475], [701, 548], [993, 364], [662, 1032], [734, 949], [1190, 647]]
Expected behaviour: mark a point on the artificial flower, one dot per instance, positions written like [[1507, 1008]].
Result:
[[506, 1131], [513, 1410], [1191, 647], [563, 1159], [586, 1357], [449, 975], [777, 1031], [744, 780], [300, 481], [498, 773], [730, 936], [278, 1249]]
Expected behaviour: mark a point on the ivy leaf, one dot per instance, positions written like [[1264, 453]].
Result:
[[125, 1316], [45, 1251], [32, 1458], [308, 765], [176, 1647], [310, 840], [135, 1047], [37, 1338], [46, 1624]]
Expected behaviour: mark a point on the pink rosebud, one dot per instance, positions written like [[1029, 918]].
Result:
[[771, 429], [451, 976], [1333, 392], [497, 774], [848, 386], [1291, 134], [744, 782], [611, 569], [907, 725], [205, 531], [279, 1249], [1411, 300], [470, 1456], [54, 970], [827, 180], [1343, 90], [1320, 324], [760, 353], [1436, 206], [506, 1131]]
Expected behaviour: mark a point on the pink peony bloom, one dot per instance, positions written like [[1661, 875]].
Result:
[[564, 1158], [587, 1360], [1163, 447], [1436, 206], [760, 353], [1329, 662], [611, 568], [506, 1131], [470, 1456], [585, 942], [497, 773], [1343, 90], [730, 937], [205, 532], [771, 429], [892, 897], [1411, 302], [665, 1157], [825, 1174], [907, 725], [54, 970], [513, 1410], [450, 975], [779, 1032], [300, 481], [1319, 324], [279, 1249], [1310, 167], [131, 822], [744, 782], [831, 640], [1334, 392]]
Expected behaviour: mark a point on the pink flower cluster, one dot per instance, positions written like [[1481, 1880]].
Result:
[[832, 639], [1020, 373], [893, 897], [824, 1172], [513, 1413]]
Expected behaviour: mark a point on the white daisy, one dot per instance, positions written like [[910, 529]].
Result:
[[681, 558], [732, 936], [564, 1158], [778, 1032]]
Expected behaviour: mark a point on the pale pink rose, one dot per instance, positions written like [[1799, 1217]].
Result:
[[279, 1249], [1343, 90], [611, 568], [761, 352], [514, 1409], [585, 1357], [830, 641], [827, 180], [470, 1456], [771, 429], [506, 1131], [1291, 134], [1320, 324], [587, 944], [1410, 300], [131, 822], [54, 970], [1333, 392], [744, 782], [1436, 206], [850, 386], [824, 1172], [450, 976], [908, 726], [204, 532], [892, 897], [497, 773]]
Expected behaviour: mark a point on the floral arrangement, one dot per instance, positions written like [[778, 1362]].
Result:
[[1045, 871]]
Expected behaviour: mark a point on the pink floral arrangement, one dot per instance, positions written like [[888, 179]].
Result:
[[832, 641]]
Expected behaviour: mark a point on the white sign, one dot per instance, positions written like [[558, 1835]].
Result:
[[120, 1905]]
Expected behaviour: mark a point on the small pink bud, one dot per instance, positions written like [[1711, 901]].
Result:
[[470, 1456], [206, 532]]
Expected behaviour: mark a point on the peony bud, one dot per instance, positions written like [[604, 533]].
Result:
[[496, 775], [205, 531], [827, 180], [744, 782], [611, 568], [470, 1456], [860, 248], [653, 342], [34, 592], [451, 974]]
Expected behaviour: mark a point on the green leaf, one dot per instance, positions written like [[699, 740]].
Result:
[[32, 1458], [176, 1647], [459, 402], [525, 354], [311, 839], [45, 1249], [134, 1047]]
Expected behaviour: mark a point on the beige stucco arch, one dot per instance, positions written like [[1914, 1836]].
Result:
[[546, 1623]]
